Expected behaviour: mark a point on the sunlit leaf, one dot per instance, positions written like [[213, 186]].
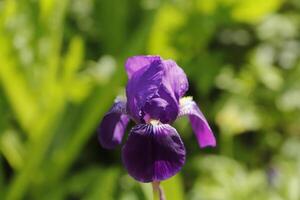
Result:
[[167, 20], [253, 11], [12, 148], [173, 188], [73, 58]]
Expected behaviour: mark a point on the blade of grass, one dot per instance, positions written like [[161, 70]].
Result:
[[15, 86]]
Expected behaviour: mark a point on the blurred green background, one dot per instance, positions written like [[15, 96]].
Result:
[[62, 64]]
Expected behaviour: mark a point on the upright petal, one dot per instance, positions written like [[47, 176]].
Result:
[[153, 152], [135, 63], [113, 125], [199, 124], [145, 85], [173, 73], [176, 77]]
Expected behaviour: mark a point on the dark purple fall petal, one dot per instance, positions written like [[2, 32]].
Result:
[[153, 152], [199, 124], [113, 125]]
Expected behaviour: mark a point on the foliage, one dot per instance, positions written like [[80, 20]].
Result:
[[61, 65]]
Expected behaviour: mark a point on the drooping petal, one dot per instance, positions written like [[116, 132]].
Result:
[[199, 124], [153, 152], [135, 63], [176, 77], [113, 125]]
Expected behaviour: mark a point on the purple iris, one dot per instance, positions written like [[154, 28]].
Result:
[[154, 150]]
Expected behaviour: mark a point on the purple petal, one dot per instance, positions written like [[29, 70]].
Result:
[[156, 107], [165, 108], [151, 77], [135, 63], [199, 124], [145, 85], [176, 77], [153, 152], [113, 125]]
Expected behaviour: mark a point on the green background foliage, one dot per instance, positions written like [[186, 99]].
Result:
[[61, 66]]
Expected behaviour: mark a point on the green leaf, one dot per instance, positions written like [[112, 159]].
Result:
[[167, 20], [173, 188], [104, 186], [12, 148]]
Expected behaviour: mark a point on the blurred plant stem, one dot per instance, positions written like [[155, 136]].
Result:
[[226, 143]]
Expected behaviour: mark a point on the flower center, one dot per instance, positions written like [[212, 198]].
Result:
[[153, 122]]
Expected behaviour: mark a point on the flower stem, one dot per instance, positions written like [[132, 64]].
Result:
[[158, 192]]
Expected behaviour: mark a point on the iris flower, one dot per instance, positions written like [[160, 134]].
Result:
[[155, 92]]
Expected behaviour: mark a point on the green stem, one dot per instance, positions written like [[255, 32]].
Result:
[[158, 192]]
